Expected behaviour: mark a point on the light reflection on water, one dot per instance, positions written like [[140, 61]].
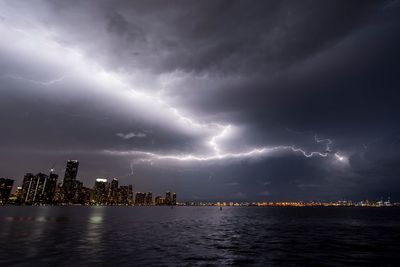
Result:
[[65, 236], [94, 232]]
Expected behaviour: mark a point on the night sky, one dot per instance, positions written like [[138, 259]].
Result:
[[216, 100]]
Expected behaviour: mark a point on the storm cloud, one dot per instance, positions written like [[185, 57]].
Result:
[[218, 100]]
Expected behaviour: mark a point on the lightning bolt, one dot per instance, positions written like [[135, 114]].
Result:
[[217, 155], [42, 83], [327, 141], [112, 79]]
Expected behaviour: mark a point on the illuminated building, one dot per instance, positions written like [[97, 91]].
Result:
[[84, 195], [140, 198], [58, 194], [51, 186], [100, 192], [69, 185], [18, 193], [173, 198], [168, 198], [77, 189], [149, 198], [123, 195], [130, 194], [34, 188], [159, 200], [5, 189], [113, 192], [25, 186]]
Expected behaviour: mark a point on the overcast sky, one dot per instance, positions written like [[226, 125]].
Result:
[[216, 100]]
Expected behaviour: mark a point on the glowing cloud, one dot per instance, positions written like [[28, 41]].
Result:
[[131, 135], [214, 132]]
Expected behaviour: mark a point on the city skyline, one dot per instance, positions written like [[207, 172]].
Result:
[[42, 189], [226, 100], [199, 133]]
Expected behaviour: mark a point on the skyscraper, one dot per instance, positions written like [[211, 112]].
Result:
[[100, 192], [159, 200], [71, 171], [140, 198], [5, 189], [78, 185], [173, 198], [149, 198], [168, 198], [34, 188], [51, 187], [123, 195], [113, 192], [26, 186], [130, 194]]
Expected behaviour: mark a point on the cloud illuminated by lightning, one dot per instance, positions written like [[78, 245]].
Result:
[[43, 83], [95, 71]]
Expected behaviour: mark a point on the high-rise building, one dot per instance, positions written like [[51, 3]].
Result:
[[18, 194], [5, 189], [26, 186], [71, 171], [78, 185], [58, 194], [34, 188], [159, 200], [149, 198], [113, 192], [140, 198], [173, 198], [130, 194], [168, 198], [100, 192], [123, 195], [84, 196], [51, 187]]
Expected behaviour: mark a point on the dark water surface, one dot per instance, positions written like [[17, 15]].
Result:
[[197, 236]]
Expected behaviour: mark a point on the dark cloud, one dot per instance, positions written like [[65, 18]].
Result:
[[282, 73]]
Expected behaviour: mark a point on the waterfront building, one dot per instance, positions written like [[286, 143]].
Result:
[[77, 189], [159, 200], [34, 188], [123, 195], [18, 194], [58, 194], [51, 187], [140, 198], [149, 198], [69, 185], [168, 198], [25, 186], [113, 192], [5, 190], [100, 192], [173, 198], [130, 194]]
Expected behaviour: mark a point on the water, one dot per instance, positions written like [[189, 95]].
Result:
[[199, 236]]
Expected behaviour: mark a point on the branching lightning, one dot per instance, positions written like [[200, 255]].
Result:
[[42, 83], [328, 143], [220, 131]]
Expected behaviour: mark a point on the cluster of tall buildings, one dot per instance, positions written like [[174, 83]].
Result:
[[143, 199], [41, 189], [105, 193], [5, 190]]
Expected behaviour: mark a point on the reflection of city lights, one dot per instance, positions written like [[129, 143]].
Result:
[[96, 219]]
